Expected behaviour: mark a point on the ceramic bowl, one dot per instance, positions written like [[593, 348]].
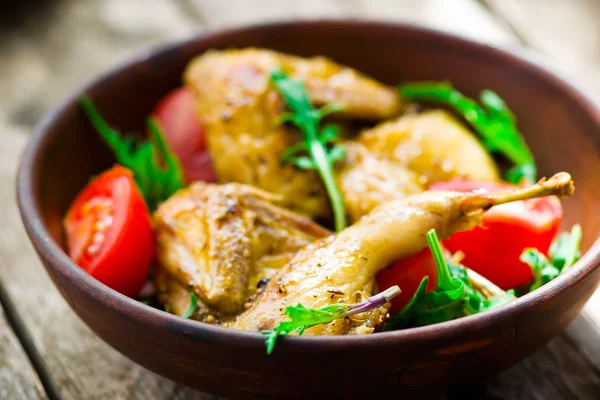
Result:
[[561, 122]]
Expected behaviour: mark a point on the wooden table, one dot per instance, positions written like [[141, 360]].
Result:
[[49, 47]]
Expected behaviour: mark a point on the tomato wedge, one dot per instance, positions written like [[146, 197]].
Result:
[[177, 117], [493, 250], [408, 274], [109, 232]]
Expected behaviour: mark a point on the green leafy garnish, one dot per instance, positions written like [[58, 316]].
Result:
[[565, 249], [302, 318], [543, 269], [493, 120], [318, 144], [563, 253], [476, 303], [155, 167], [193, 306], [454, 296]]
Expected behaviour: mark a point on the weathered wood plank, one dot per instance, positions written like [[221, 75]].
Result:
[[18, 379], [235, 12], [465, 17], [567, 31], [558, 371], [42, 63]]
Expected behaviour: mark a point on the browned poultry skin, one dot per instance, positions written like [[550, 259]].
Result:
[[407, 154], [346, 263], [175, 297], [219, 241], [240, 109], [434, 145], [368, 179]]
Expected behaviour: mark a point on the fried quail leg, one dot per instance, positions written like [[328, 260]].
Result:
[[339, 267]]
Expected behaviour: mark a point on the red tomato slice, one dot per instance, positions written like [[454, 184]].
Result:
[[493, 250], [185, 134], [109, 232], [408, 274]]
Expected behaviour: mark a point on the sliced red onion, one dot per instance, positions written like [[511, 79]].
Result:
[[374, 301]]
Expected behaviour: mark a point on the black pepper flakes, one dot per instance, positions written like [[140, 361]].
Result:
[[262, 283]]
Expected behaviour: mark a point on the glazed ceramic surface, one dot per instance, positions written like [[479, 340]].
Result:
[[561, 122]]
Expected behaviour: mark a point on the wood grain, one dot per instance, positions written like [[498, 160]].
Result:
[[465, 17], [42, 63], [18, 380], [543, 375], [83, 367], [566, 31]]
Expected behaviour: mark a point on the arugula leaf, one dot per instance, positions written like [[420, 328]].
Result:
[[519, 172], [543, 270], [192, 308], [302, 318], [317, 142], [565, 249], [475, 302], [454, 296], [499, 300], [271, 338], [564, 252], [156, 168], [493, 120]]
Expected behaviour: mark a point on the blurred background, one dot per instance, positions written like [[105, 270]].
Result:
[[47, 48]]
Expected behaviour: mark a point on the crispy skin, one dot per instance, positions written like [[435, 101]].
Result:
[[240, 109], [433, 144], [176, 296], [219, 241], [405, 155]]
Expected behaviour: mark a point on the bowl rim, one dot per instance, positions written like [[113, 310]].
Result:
[[62, 264]]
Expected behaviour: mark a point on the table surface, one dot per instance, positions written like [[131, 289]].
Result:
[[49, 47]]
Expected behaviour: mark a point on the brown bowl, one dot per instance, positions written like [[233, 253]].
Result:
[[561, 122]]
